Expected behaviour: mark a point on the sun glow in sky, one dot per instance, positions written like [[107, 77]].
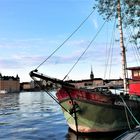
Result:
[[30, 30]]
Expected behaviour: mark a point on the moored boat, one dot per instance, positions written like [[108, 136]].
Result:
[[133, 134], [3, 91], [95, 110]]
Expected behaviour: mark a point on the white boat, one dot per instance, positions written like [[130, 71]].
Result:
[[3, 91]]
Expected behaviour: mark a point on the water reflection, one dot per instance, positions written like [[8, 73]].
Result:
[[34, 116], [93, 136], [38, 103], [8, 106], [30, 115]]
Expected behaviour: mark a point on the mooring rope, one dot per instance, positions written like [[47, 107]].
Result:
[[54, 98], [130, 111], [75, 115], [127, 118]]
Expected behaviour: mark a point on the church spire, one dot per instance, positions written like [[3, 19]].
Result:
[[91, 74]]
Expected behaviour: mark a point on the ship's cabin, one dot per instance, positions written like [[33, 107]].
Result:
[[135, 73], [134, 84]]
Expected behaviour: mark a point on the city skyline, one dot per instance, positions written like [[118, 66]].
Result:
[[32, 30]]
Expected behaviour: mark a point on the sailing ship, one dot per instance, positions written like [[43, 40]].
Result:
[[97, 109]]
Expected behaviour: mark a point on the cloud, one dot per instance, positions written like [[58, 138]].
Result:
[[22, 53], [78, 43], [9, 63], [94, 55], [19, 62], [14, 43], [95, 23], [34, 56]]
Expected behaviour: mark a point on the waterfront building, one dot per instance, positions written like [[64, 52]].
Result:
[[9, 84], [88, 83], [114, 83], [97, 82], [26, 86], [29, 86]]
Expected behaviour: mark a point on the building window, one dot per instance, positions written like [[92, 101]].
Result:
[[136, 73]]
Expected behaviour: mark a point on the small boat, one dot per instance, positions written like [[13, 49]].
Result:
[[3, 91], [133, 134], [98, 109]]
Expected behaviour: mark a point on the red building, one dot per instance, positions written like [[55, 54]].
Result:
[[134, 85]]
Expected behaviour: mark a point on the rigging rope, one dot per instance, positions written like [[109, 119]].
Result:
[[106, 48], [134, 48], [85, 50], [112, 44], [66, 39], [110, 53]]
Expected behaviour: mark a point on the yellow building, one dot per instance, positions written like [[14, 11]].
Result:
[[9, 84]]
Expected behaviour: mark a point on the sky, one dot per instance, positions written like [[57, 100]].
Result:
[[30, 30]]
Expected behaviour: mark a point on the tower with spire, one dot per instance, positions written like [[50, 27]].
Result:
[[91, 74]]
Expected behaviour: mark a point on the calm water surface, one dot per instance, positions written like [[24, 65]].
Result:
[[35, 116]]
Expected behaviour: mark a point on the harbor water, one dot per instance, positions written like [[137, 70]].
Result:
[[36, 116]]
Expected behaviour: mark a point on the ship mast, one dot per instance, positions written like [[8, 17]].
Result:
[[122, 46]]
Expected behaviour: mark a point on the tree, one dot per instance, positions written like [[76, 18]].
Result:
[[130, 13], [127, 13]]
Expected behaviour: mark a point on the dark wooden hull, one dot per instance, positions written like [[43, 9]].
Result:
[[92, 110], [97, 112]]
